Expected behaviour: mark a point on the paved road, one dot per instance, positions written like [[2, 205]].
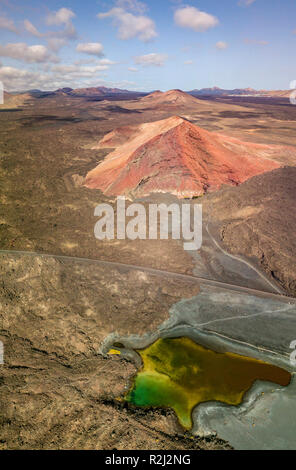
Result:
[[241, 260], [158, 272]]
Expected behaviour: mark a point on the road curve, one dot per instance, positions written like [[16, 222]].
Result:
[[241, 260]]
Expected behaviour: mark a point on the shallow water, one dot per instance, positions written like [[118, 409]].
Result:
[[180, 374]]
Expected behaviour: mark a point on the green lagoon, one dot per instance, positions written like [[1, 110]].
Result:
[[180, 374]]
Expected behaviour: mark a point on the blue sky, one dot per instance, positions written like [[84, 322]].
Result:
[[154, 44]]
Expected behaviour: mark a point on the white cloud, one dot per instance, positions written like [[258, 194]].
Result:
[[78, 71], [256, 42], [132, 5], [93, 60], [151, 59], [106, 62], [92, 48], [11, 72], [59, 18], [221, 45], [30, 28], [191, 17], [55, 44], [133, 69], [130, 25], [55, 39], [62, 16], [188, 62], [246, 3], [89, 60], [15, 79], [68, 33], [25, 53], [6, 23]]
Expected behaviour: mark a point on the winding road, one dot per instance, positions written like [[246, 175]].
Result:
[[240, 259], [157, 272]]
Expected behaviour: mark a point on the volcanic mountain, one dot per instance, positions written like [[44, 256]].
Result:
[[100, 90], [173, 155], [96, 92], [169, 98]]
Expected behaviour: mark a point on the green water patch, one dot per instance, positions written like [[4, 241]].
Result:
[[179, 374]]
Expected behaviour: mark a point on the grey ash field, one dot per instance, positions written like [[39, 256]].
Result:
[[57, 391]]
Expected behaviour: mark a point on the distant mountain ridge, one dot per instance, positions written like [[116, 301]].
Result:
[[216, 91], [170, 96], [99, 91]]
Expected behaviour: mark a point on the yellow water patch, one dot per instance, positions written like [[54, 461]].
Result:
[[180, 374], [114, 352]]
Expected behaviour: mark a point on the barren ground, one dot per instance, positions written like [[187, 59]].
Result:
[[55, 314]]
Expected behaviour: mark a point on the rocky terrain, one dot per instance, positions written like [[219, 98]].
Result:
[[62, 393], [56, 390], [258, 220]]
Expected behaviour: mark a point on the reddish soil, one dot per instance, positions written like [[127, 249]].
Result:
[[176, 156]]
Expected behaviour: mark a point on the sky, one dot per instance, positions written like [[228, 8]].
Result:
[[147, 45]]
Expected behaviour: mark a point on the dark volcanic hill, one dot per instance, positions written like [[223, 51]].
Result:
[[176, 156], [258, 219], [101, 90], [104, 92]]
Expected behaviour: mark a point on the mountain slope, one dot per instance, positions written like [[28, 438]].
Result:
[[169, 98], [258, 220], [176, 156], [12, 101]]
